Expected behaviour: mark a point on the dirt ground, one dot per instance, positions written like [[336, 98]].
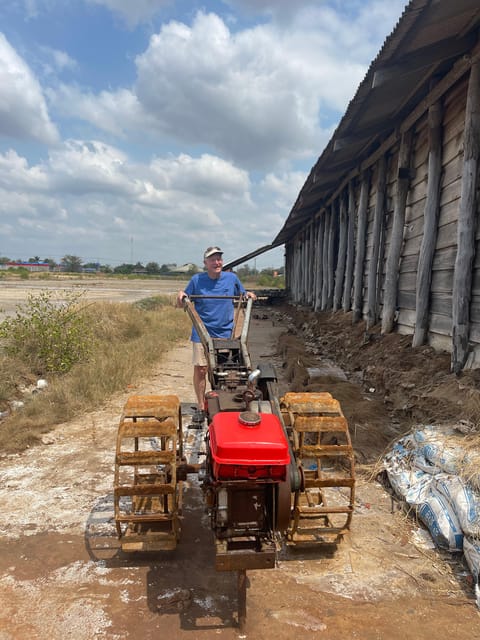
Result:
[[62, 574]]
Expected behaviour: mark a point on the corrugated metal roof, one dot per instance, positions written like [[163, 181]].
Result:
[[429, 38]]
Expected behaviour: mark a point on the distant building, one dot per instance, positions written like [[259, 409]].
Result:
[[30, 266], [185, 268]]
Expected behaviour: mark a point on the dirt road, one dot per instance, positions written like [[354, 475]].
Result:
[[63, 576]]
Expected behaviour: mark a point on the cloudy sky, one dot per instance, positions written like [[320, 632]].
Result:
[[146, 130]]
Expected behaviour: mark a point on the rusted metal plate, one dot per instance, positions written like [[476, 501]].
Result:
[[308, 403], [156, 406], [146, 428], [144, 490], [145, 457], [321, 423]]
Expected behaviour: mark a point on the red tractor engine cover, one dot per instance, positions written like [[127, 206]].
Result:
[[248, 446]]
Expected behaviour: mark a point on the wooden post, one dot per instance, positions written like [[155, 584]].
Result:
[[395, 249], [332, 234], [462, 276], [303, 272], [342, 254], [288, 267], [326, 234], [306, 265], [293, 261], [311, 264], [319, 285], [296, 270], [360, 253], [432, 210], [314, 260], [347, 296], [373, 275]]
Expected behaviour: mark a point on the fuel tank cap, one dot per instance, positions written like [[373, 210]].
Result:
[[249, 418]]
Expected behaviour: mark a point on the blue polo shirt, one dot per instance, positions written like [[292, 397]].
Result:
[[217, 315]]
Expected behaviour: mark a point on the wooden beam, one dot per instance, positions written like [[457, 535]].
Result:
[[395, 249], [421, 58], [372, 313], [331, 255], [311, 262], [431, 214], [462, 277], [315, 224], [319, 285], [326, 235], [364, 135], [342, 256], [304, 271], [347, 296], [360, 248]]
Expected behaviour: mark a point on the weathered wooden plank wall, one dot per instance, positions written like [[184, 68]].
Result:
[[398, 241]]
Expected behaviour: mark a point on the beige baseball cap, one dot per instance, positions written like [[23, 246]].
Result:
[[211, 251]]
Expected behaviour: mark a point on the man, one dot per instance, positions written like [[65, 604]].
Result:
[[216, 314]]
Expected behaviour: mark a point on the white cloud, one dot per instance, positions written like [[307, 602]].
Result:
[[282, 189], [224, 99], [23, 111], [255, 97], [83, 167], [207, 176], [89, 199], [57, 60], [16, 175], [114, 112]]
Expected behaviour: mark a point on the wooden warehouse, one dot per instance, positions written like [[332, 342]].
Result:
[[385, 226]]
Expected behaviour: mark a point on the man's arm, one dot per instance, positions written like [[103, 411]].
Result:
[[189, 290], [241, 289]]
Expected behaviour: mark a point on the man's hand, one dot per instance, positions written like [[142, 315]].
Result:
[[250, 294], [181, 295]]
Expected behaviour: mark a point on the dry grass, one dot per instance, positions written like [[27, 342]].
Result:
[[129, 340]]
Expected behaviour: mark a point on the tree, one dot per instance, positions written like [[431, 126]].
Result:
[[246, 271], [125, 269], [72, 264], [152, 268]]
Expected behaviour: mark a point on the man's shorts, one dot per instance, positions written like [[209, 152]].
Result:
[[199, 358]]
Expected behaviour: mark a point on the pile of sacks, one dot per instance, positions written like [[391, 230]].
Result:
[[429, 470]]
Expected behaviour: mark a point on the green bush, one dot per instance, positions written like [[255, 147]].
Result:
[[271, 281], [50, 333]]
